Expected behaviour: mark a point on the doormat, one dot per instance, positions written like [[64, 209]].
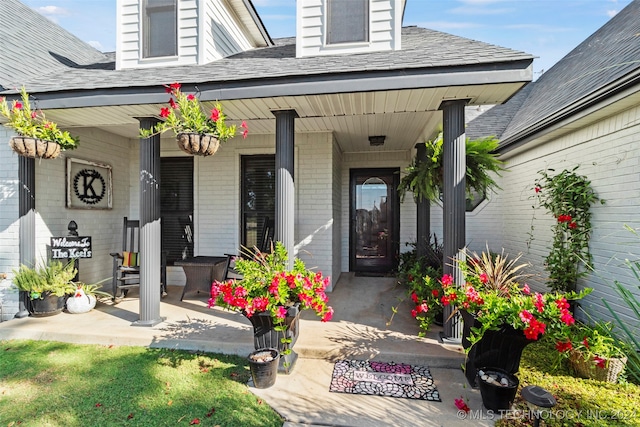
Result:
[[383, 379]]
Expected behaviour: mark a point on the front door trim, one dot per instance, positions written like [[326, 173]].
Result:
[[395, 222]]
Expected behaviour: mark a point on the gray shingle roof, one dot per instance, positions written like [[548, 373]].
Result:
[[31, 46], [421, 48], [495, 121], [602, 61]]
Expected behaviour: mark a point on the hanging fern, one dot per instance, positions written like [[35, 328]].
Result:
[[425, 180]]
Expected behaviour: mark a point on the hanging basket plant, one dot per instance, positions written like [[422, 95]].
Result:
[[196, 132], [425, 178], [37, 136]]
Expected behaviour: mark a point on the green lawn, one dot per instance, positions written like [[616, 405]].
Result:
[[581, 402], [58, 384]]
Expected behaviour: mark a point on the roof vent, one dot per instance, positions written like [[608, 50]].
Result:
[[376, 141]]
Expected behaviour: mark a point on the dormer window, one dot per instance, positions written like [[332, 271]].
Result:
[[347, 21], [160, 24]]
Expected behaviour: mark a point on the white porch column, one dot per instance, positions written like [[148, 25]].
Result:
[[27, 221], [285, 189], [454, 203], [150, 232]]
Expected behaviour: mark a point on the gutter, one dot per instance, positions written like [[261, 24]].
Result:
[[362, 81]]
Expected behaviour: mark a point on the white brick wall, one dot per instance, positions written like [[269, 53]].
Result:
[[608, 153], [52, 216], [9, 241]]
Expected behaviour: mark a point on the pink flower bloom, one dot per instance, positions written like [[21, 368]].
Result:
[[414, 297], [245, 133], [585, 342], [215, 114], [483, 278], [600, 362], [281, 313], [435, 293], [525, 316], [33, 115], [260, 303], [173, 104], [17, 105], [164, 112], [538, 189], [447, 280], [567, 318], [190, 97], [539, 303], [328, 315], [414, 312], [526, 290], [573, 225], [461, 404]]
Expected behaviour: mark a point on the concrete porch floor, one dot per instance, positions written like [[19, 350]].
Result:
[[363, 327]]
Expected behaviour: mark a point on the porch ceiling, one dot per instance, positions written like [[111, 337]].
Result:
[[405, 116]]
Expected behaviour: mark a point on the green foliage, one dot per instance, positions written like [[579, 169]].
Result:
[[420, 275], [497, 300], [268, 286], [568, 197], [581, 402], [425, 180], [31, 123], [185, 115], [52, 278], [628, 335], [59, 384]]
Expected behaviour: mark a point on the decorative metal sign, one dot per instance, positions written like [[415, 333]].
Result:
[[71, 247], [89, 185]]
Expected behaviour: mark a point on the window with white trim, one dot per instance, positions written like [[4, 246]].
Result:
[[347, 21], [160, 28]]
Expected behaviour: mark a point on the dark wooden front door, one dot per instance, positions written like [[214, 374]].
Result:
[[374, 220]]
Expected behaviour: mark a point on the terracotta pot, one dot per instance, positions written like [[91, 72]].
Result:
[[197, 144], [34, 147]]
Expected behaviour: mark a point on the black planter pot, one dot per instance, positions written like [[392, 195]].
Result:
[[263, 364], [264, 336], [48, 306], [498, 397], [501, 349]]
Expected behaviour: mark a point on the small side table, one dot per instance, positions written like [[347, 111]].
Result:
[[201, 271]]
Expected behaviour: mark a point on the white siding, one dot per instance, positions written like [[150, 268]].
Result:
[[608, 153], [384, 29], [202, 36], [222, 34]]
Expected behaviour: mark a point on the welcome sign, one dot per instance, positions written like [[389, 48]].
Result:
[[71, 247], [382, 377]]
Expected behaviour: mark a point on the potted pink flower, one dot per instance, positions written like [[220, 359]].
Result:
[[197, 132], [272, 297]]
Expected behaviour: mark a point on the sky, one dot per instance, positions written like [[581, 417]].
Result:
[[548, 29]]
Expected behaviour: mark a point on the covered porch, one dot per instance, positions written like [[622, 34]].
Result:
[[361, 329]]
